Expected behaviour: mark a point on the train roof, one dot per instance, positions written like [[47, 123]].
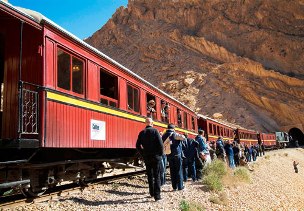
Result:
[[225, 123], [41, 19]]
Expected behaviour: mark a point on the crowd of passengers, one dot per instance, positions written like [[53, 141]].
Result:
[[187, 156]]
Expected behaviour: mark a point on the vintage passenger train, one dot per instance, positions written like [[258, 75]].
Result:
[[67, 108]]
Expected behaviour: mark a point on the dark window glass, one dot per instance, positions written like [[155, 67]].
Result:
[[130, 98], [179, 118], [108, 85], [185, 121], [136, 100], [214, 130], [104, 101], [77, 70], [193, 123], [63, 70], [133, 98], [210, 128]]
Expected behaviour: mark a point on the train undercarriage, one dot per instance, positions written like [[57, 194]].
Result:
[[33, 178]]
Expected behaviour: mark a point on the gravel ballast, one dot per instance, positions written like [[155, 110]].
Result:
[[274, 186]]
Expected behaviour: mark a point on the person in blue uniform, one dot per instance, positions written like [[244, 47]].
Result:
[[150, 145], [175, 157]]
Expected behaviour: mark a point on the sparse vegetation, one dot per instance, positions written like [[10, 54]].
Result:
[[189, 206], [213, 182], [214, 174], [267, 157], [242, 174], [218, 167], [220, 199], [115, 186], [285, 154]]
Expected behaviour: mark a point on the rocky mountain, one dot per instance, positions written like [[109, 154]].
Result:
[[240, 59]]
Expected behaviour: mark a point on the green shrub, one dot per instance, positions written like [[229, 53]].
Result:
[[242, 174], [217, 167], [213, 181], [189, 206], [184, 205]]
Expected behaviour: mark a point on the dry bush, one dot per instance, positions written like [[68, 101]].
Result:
[[190, 206]]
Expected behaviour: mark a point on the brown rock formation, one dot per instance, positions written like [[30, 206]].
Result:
[[243, 59]]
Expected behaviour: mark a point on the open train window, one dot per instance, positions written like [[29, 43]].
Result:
[[193, 123], [210, 128], [179, 118], [164, 111], [151, 106], [108, 89], [214, 130], [69, 72], [185, 120], [133, 98]]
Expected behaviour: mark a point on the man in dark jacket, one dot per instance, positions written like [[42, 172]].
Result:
[[150, 146], [175, 158], [190, 149]]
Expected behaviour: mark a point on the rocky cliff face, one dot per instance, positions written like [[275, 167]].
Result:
[[243, 58]]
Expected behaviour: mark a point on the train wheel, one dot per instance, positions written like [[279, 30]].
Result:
[[29, 192], [82, 183]]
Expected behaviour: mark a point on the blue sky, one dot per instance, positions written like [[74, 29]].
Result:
[[81, 18]]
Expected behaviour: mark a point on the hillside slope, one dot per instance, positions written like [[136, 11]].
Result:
[[243, 59]]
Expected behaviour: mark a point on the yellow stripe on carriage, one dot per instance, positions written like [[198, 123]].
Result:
[[80, 103]]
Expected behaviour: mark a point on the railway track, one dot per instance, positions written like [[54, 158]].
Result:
[[11, 202]]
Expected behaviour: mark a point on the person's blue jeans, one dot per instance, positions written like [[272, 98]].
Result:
[[176, 172], [231, 161], [163, 172]]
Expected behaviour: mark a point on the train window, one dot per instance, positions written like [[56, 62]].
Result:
[[193, 123], [164, 111], [210, 128], [185, 120], [151, 106], [108, 89], [214, 130], [69, 72], [63, 70], [133, 98], [179, 118]]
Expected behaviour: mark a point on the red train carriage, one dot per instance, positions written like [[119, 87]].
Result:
[[67, 107], [268, 139], [213, 129], [246, 137]]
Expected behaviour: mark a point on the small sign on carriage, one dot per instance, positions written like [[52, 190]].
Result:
[[98, 130]]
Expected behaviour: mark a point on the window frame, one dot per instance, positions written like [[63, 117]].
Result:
[[109, 99], [185, 120], [72, 55], [127, 101]]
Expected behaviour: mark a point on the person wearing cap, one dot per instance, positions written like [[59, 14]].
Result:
[[150, 145], [175, 157]]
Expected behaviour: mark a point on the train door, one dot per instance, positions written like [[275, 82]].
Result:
[[1, 78]]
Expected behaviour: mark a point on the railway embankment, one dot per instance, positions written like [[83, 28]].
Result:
[[273, 185]]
